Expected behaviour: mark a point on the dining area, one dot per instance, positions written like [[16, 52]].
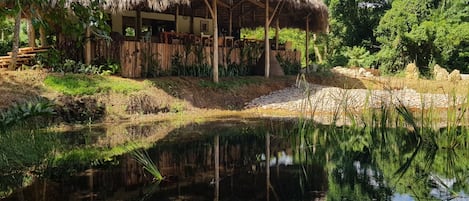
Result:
[[181, 38]]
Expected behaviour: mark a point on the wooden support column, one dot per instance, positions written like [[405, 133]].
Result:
[[266, 39], [213, 11], [215, 41], [191, 25], [277, 28], [88, 45], [230, 28], [176, 16], [138, 24]]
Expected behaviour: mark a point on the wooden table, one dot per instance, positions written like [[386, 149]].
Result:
[[166, 37]]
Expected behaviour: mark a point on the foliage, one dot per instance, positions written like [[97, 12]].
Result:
[[78, 84], [358, 57], [296, 36], [50, 59], [289, 67], [425, 32], [179, 67], [20, 113]]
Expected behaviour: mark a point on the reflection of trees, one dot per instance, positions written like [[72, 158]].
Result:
[[385, 157]]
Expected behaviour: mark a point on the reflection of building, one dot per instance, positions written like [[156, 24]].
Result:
[[186, 159]]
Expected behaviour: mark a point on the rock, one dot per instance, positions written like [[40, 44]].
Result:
[[412, 72], [455, 75], [440, 73]]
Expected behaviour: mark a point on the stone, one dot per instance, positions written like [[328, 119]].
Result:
[[454, 76], [440, 73], [412, 72]]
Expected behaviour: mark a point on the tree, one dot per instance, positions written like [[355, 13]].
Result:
[[425, 32], [352, 23]]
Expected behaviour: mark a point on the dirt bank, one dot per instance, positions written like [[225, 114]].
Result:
[[192, 96]]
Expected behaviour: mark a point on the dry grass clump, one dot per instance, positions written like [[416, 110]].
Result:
[[153, 101]]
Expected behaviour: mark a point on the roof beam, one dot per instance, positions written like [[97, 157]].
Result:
[[223, 4], [238, 4]]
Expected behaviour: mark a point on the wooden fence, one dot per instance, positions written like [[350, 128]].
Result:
[[136, 57]]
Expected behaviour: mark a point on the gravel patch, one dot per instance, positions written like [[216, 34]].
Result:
[[330, 99]]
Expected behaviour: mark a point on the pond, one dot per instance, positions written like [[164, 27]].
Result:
[[264, 159]]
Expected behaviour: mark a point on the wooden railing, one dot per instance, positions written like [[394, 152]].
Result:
[[134, 56]]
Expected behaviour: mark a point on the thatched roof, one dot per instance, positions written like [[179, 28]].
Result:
[[246, 13], [251, 13], [121, 5]]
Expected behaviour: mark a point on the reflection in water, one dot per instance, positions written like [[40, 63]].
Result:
[[275, 160]]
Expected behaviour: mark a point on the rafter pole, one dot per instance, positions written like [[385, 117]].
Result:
[[276, 10], [238, 4]]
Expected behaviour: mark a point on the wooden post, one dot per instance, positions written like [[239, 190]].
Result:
[[138, 24], [176, 16], [266, 39], [307, 41], [230, 28], [277, 28], [88, 45], [213, 11], [215, 41], [31, 33], [191, 25]]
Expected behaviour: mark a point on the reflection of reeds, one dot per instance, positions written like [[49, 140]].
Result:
[[406, 144], [142, 157]]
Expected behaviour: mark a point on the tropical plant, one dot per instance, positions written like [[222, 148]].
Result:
[[19, 113]]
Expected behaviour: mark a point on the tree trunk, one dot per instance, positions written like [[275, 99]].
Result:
[[42, 36], [88, 45], [16, 41], [31, 33]]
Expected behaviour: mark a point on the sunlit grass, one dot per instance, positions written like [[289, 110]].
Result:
[[78, 84]]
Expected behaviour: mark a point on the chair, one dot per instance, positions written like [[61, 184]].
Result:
[[206, 39]]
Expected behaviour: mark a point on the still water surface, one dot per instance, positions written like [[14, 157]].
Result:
[[268, 160]]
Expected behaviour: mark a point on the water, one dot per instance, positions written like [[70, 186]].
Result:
[[261, 160]]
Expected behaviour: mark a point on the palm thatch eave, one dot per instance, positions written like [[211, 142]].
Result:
[[293, 13]]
